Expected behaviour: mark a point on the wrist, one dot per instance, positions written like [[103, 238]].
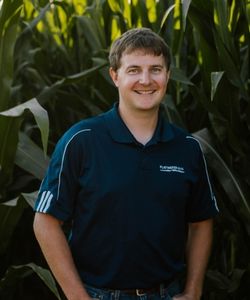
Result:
[[77, 294], [79, 297], [186, 296], [193, 289], [192, 294]]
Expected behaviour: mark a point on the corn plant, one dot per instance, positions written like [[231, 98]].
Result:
[[54, 66]]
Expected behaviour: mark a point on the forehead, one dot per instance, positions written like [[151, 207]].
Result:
[[141, 58]]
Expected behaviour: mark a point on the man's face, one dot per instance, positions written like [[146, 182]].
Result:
[[141, 81]]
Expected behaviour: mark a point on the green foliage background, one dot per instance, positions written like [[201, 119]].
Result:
[[54, 72]]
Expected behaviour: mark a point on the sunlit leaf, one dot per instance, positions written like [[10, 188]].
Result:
[[165, 17], [127, 13], [80, 6], [185, 8], [31, 25], [40, 115], [215, 80], [114, 5], [115, 29], [151, 7]]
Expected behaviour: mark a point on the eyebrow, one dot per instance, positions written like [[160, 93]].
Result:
[[158, 66], [151, 66]]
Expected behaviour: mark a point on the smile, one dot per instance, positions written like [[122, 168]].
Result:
[[146, 92]]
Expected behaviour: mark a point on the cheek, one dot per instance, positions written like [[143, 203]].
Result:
[[126, 83], [164, 82], [161, 80]]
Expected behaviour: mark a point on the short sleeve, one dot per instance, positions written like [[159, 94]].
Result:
[[59, 188], [202, 203]]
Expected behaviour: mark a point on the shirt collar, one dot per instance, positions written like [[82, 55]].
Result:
[[121, 134]]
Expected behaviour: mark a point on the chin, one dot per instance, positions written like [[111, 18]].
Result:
[[146, 107]]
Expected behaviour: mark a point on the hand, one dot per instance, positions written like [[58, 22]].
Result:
[[185, 296]]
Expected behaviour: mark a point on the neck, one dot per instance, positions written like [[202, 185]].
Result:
[[141, 124]]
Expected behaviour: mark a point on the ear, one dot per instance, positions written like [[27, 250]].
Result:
[[114, 75], [168, 75]]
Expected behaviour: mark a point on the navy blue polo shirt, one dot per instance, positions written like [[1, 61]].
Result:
[[130, 204]]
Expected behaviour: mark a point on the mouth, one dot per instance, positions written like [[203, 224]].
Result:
[[144, 92]]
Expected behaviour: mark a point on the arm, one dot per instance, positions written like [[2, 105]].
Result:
[[198, 251], [55, 248]]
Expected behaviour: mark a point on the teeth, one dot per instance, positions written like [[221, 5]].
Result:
[[145, 92]]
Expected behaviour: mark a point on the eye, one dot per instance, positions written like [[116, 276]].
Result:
[[133, 71], [156, 70]]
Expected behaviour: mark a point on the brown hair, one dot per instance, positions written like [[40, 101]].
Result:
[[138, 39]]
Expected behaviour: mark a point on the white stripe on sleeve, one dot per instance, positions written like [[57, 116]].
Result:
[[209, 183]]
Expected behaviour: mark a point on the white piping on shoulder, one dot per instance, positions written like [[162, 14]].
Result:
[[65, 149], [209, 183]]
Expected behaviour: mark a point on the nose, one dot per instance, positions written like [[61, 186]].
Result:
[[145, 78]]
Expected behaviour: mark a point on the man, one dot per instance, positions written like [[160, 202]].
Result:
[[135, 188]]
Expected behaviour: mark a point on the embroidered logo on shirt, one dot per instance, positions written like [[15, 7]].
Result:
[[172, 169]]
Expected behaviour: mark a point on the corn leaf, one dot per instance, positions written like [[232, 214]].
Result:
[[88, 26], [40, 115], [9, 128], [166, 15], [31, 25], [221, 19], [226, 177], [30, 198], [30, 157], [215, 79], [185, 9], [10, 214], [49, 91], [15, 273], [9, 17], [179, 76], [115, 6], [228, 63]]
